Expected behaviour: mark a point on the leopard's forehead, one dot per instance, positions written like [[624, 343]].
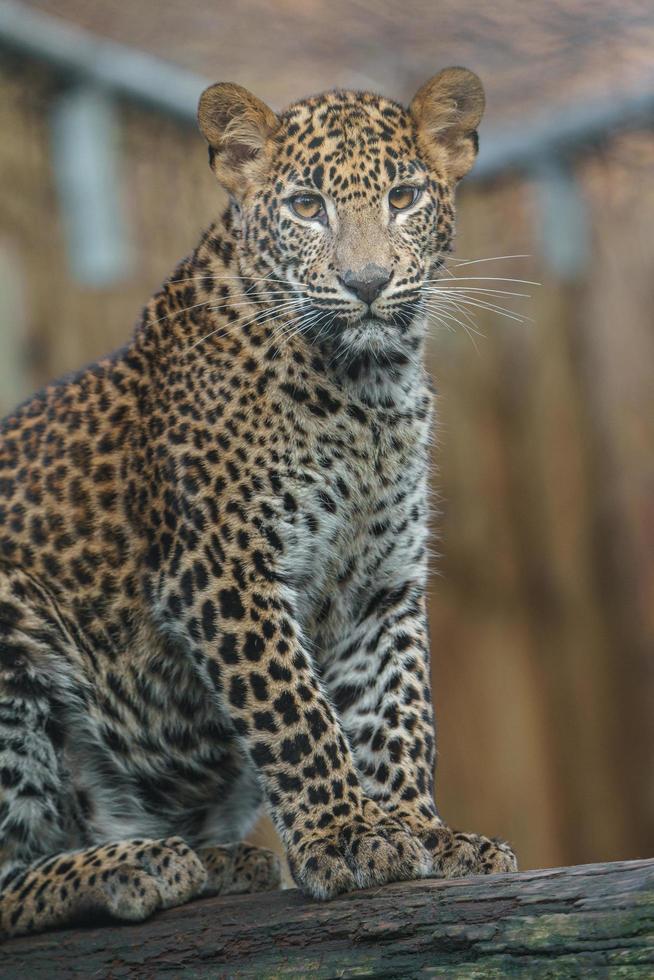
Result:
[[357, 109], [353, 144]]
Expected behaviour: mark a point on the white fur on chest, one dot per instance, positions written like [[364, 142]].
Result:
[[360, 522]]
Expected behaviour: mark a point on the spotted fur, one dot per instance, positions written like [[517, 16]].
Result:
[[213, 544]]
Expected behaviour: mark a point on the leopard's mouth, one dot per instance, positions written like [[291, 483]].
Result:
[[371, 335], [371, 317], [396, 316], [344, 333]]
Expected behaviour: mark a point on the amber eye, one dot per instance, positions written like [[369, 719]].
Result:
[[401, 198], [308, 206]]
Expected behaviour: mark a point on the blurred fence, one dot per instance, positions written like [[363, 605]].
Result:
[[542, 616]]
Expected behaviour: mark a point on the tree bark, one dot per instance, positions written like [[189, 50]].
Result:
[[595, 920]]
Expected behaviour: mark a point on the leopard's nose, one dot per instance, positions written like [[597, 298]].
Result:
[[368, 283]]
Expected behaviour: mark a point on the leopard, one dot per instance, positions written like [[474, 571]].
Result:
[[214, 543]]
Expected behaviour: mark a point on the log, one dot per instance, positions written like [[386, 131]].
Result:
[[593, 920]]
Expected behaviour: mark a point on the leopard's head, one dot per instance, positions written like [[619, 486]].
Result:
[[345, 202]]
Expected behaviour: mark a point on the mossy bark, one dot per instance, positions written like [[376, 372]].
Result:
[[592, 921]]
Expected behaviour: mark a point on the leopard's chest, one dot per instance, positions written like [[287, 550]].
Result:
[[353, 512]]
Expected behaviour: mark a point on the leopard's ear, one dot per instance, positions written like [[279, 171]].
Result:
[[447, 111], [238, 127]]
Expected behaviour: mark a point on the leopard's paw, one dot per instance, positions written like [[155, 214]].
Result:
[[177, 871], [359, 854], [127, 880], [456, 855], [235, 869]]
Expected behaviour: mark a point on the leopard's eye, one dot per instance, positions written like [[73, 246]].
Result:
[[308, 206], [401, 198]]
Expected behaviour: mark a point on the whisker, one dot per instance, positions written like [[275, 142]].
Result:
[[440, 320], [474, 301], [523, 282], [468, 316], [243, 279], [481, 305], [489, 258], [470, 331], [247, 302], [186, 309], [207, 303], [450, 288], [471, 326], [262, 316], [465, 295]]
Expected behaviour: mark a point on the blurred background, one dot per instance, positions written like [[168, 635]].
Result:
[[541, 602]]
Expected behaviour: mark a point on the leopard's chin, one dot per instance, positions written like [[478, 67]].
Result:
[[370, 334], [370, 344], [384, 335], [376, 339]]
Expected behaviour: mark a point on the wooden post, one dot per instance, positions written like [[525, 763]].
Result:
[[587, 921]]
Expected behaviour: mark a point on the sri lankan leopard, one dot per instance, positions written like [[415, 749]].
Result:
[[213, 542]]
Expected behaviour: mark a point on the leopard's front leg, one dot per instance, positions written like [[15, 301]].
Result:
[[379, 680], [336, 839]]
